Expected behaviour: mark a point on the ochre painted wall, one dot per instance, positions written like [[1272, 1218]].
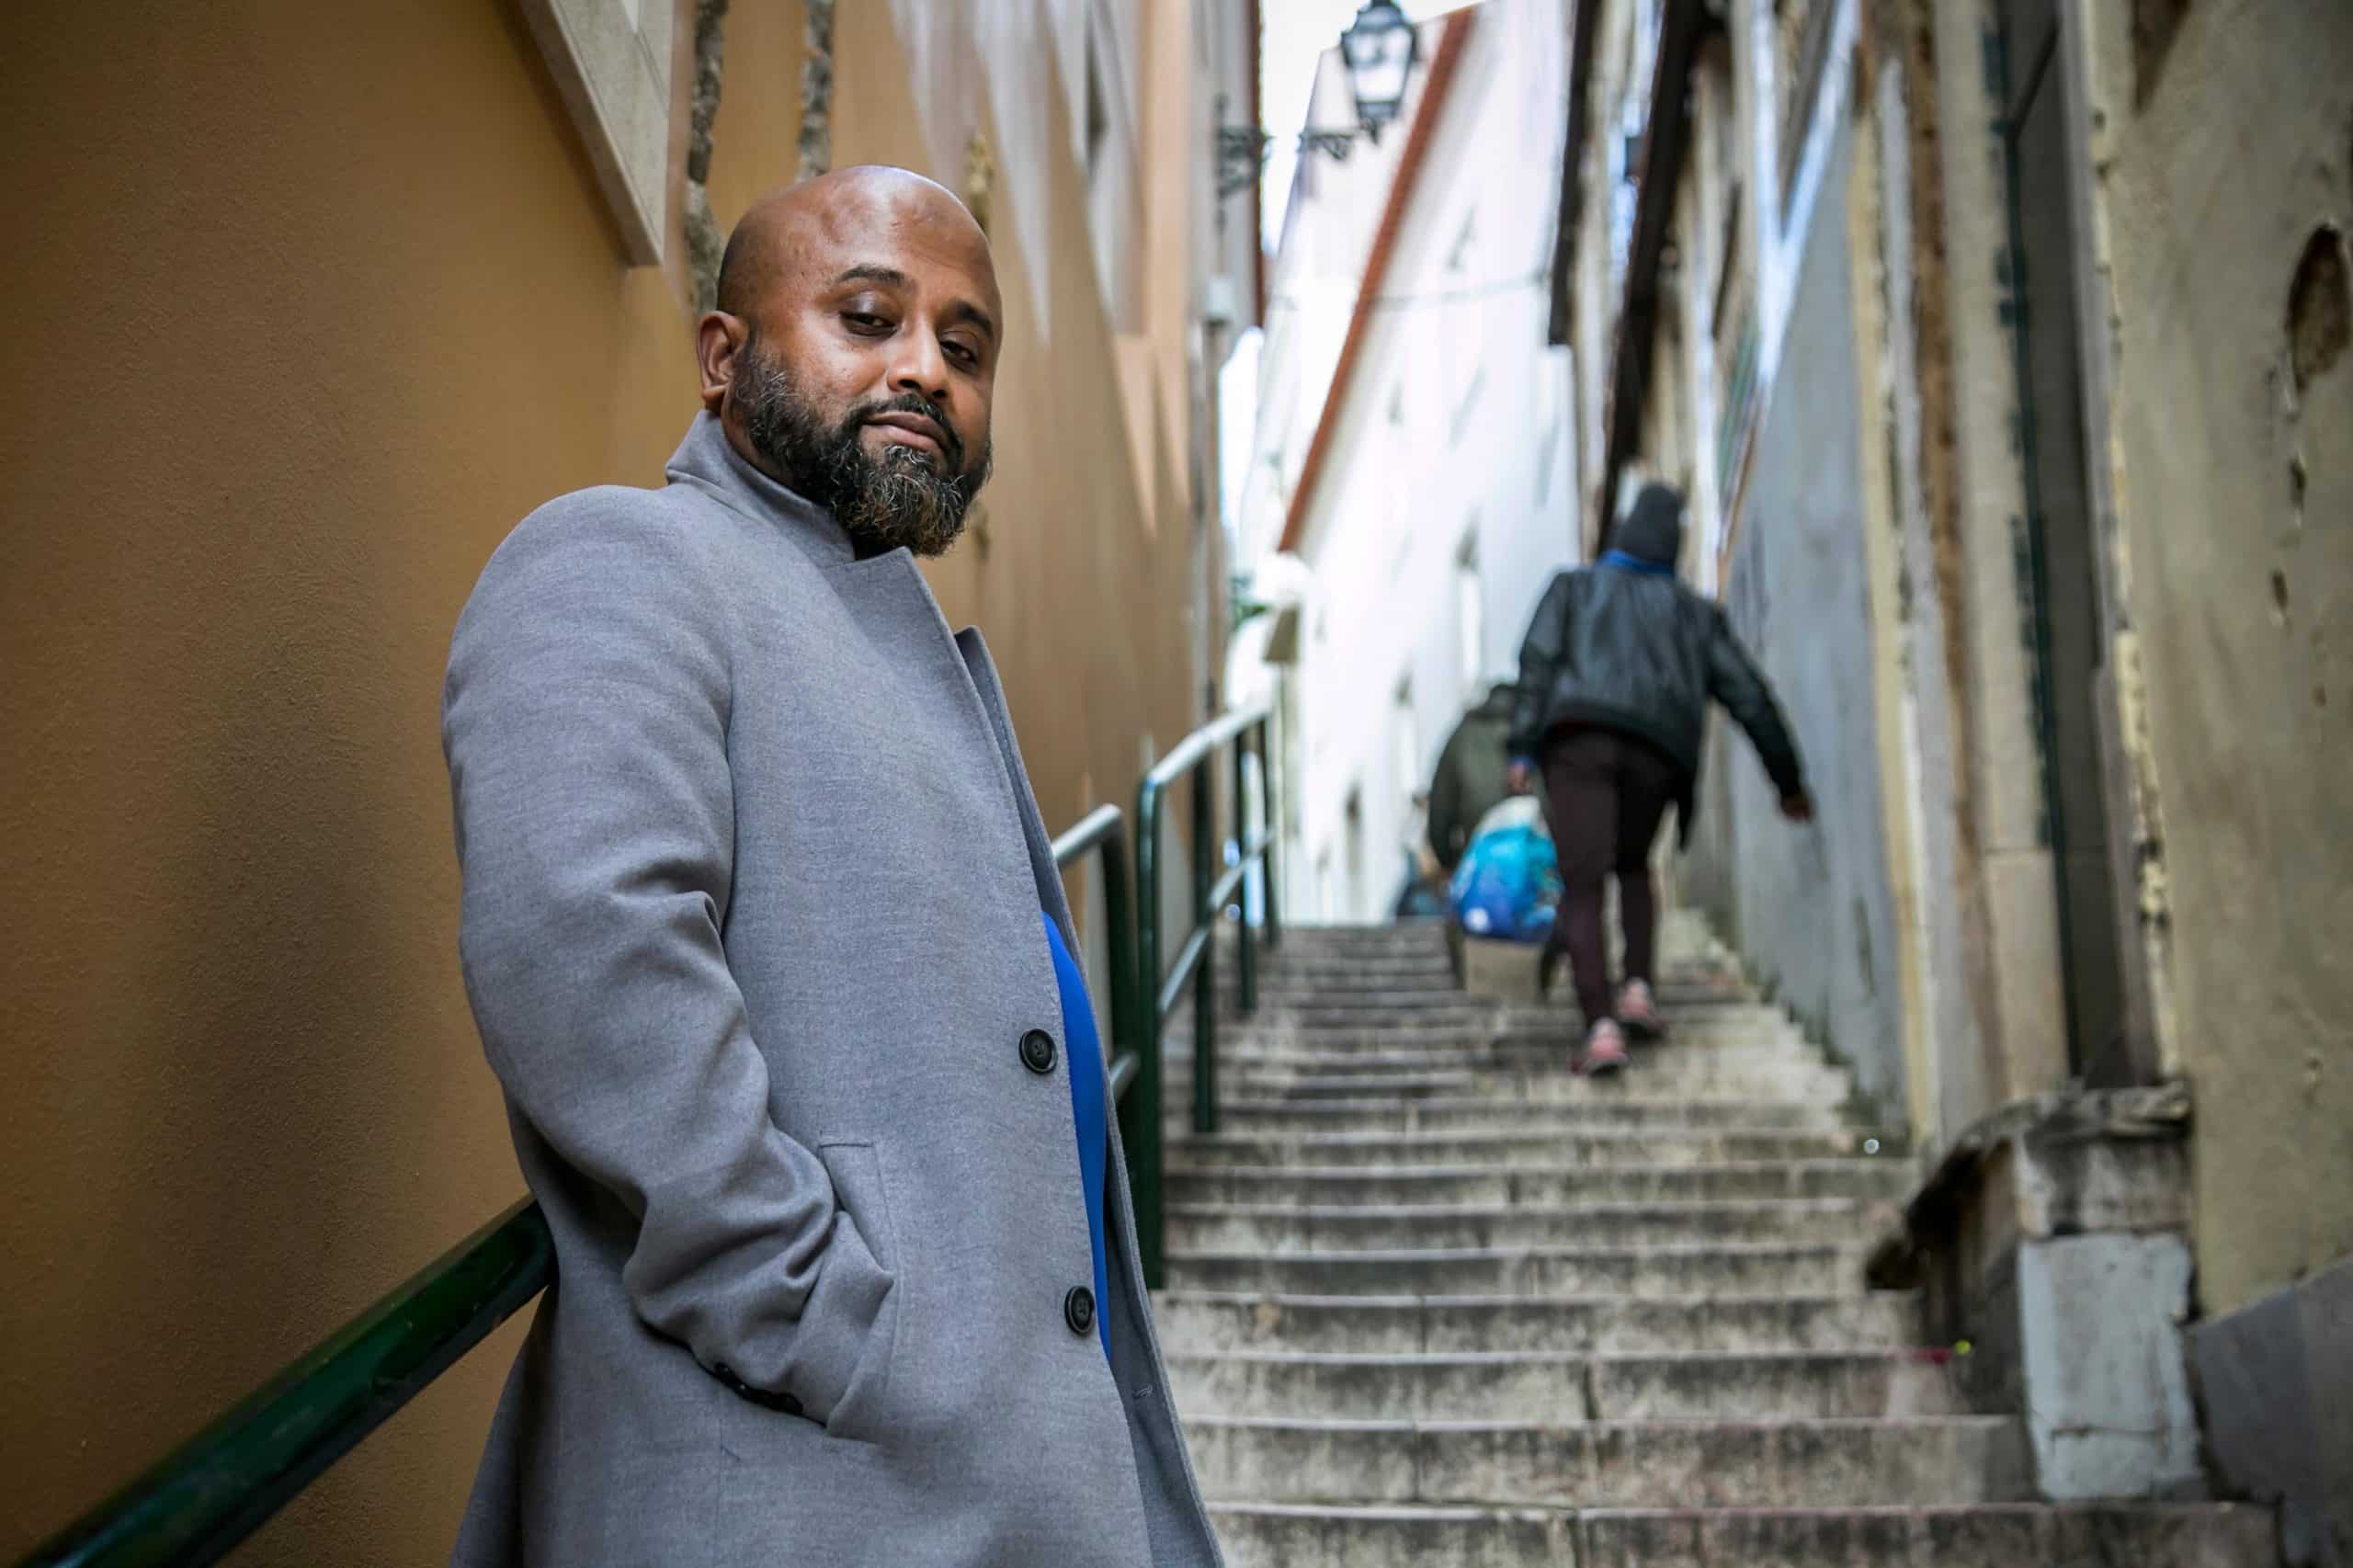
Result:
[[308, 305], [2235, 488]]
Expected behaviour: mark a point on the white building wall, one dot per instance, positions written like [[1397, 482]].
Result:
[[1448, 498]]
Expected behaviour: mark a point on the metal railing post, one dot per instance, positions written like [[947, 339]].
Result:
[[1245, 953], [1104, 831], [1204, 793], [1141, 1124], [1267, 819]]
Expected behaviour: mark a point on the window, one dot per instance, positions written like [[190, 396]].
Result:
[[1467, 405], [1409, 745], [611, 61], [1098, 111], [1801, 49], [1355, 840], [1461, 253], [1471, 616], [1553, 423]]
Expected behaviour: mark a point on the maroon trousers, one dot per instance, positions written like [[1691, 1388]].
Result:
[[1605, 795]]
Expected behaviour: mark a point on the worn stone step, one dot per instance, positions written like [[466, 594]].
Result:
[[1292, 1535], [1594, 1145], [1735, 1268], [1243, 1320], [1308, 1006], [1277, 1053], [1681, 1005], [1422, 1076], [1353, 989], [1435, 1030], [1311, 938], [1649, 1464], [1980, 1537], [1762, 1077], [1553, 1182], [1686, 926], [1622, 1103], [1675, 950], [1293, 954], [1275, 1535], [1412, 972], [1469, 1053], [1449, 1009], [1559, 1387], [1299, 1000], [1407, 991], [1289, 1227]]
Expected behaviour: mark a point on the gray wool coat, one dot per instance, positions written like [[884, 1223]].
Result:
[[752, 884]]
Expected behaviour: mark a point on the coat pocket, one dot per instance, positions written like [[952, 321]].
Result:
[[864, 1196]]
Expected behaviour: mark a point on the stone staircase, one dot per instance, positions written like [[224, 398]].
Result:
[[1435, 1301]]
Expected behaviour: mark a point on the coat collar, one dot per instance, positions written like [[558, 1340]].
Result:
[[708, 460]]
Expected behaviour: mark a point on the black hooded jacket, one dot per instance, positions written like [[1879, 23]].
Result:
[[1619, 647]]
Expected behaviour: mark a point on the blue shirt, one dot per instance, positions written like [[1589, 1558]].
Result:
[[1625, 563], [1089, 1105]]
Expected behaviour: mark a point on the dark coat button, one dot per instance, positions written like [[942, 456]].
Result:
[[1079, 1310], [1037, 1051]]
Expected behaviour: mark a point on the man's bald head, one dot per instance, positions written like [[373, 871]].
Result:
[[787, 227], [853, 353]]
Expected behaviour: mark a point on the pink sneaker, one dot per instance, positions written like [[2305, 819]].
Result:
[[1604, 1051], [1638, 1011]]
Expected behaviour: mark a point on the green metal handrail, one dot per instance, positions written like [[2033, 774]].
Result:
[[219, 1486], [1245, 729], [200, 1501]]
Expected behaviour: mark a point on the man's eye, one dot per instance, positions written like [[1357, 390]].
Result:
[[963, 354], [867, 323]]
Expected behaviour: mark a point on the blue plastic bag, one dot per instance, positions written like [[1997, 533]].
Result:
[[1508, 886]]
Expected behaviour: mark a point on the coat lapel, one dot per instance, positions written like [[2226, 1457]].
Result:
[[1049, 876]]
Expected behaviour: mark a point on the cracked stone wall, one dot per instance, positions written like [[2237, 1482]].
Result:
[[2221, 197]]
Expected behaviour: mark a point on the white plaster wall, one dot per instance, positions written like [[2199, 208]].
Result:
[[1456, 433]]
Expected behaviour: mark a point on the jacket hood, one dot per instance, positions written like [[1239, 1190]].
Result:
[[1652, 529]]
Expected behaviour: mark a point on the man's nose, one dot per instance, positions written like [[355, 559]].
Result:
[[919, 366]]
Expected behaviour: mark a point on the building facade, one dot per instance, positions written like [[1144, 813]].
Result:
[[2000, 345], [1412, 484], [309, 306]]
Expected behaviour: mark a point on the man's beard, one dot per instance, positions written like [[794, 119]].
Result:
[[899, 496]]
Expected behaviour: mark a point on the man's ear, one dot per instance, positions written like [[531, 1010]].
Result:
[[719, 338]]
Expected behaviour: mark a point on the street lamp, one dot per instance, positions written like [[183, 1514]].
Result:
[[1380, 48]]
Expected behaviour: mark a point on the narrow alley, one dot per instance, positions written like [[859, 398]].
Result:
[[884, 784]]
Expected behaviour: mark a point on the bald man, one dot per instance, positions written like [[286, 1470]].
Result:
[[768, 952]]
